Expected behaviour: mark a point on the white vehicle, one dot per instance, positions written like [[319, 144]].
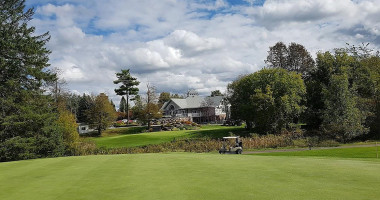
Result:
[[235, 149]]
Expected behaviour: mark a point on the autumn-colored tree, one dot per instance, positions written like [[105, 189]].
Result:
[[67, 122], [102, 114]]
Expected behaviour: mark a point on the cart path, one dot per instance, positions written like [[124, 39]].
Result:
[[307, 149]]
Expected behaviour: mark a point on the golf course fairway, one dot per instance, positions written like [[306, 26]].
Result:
[[190, 176]]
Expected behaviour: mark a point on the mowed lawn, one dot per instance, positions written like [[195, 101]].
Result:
[[122, 138], [357, 152], [190, 176]]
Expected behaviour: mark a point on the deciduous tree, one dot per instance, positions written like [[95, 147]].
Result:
[[102, 114], [268, 100]]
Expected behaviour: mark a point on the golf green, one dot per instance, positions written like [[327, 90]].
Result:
[[190, 176]]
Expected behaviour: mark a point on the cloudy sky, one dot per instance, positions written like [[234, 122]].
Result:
[[180, 44]]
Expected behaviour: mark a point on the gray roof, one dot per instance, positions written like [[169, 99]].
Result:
[[196, 102]]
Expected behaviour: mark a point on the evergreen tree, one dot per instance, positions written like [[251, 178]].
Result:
[[85, 103], [128, 86], [123, 105], [28, 120]]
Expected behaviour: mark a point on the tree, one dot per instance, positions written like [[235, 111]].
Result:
[[127, 87], [277, 56], [293, 58], [359, 94], [207, 108], [113, 105], [123, 105], [102, 114], [268, 100], [147, 110], [69, 126], [28, 121], [85, 104], [176, 96], [151, 110], [137, 109], [164, 97], [341, 117], [216, 93]]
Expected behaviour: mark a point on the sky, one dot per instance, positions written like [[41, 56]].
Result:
[[177, 45]]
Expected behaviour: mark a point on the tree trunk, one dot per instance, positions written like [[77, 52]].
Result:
[[99, 130], [248, 125], [127, 108]]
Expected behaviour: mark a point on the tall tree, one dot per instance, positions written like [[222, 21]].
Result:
[[341, 95], [341, 118], [216, 93], [102, 114], [84, 104], [277, 56], [28, 121], [128, 86], [295, 58], [164, 97], [123, 105], [149, 110], [268, 100]]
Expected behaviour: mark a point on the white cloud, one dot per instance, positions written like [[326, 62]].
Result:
[[177, 45]]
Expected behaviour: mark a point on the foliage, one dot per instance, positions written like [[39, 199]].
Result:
[[342, 95], [148, 110], [164, 97], [341, 117], [69, 126], [28, 127], [128, 86], [268, 99], [216, 93], [123, 105], [293, 58], [84, 105], [102, 114]]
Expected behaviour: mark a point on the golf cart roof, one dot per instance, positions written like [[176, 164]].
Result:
[[231, 137]]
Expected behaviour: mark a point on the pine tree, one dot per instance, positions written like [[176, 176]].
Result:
[[28, 118], [128, 86], [123, 105]]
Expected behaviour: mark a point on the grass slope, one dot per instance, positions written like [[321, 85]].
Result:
[[357, 152], [189, 176], [125, 139]]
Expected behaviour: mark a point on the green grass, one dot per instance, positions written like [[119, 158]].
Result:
[[357, 152], [190, 176], [123, 131], [126, 139]]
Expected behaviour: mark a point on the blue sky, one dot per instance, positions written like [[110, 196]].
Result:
[[202, 44]]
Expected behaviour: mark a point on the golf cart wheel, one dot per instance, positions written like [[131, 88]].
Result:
[[238, 151]]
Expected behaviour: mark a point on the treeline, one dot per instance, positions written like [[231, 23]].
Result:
[[32, 124], [337, 95]]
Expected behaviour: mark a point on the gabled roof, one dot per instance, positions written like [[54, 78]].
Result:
[[195, 102]]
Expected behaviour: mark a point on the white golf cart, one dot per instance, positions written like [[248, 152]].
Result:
[[237, 148]]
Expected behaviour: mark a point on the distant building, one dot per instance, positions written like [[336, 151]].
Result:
[[84, 129], [196, 108]]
